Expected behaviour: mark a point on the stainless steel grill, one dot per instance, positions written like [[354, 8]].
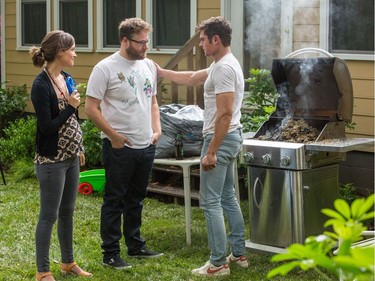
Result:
[[294, 174]]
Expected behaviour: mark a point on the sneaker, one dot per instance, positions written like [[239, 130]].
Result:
[[211, 270], [241, 261], [116, 262], [145, 253]]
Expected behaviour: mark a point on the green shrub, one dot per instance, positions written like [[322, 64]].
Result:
[[12, 100], [18, 141], [22, 169], [91, 137], [260, 102], [92, 143], [347, 192]]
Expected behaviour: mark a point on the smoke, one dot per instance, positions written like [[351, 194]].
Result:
[[306, 68], [262, 40], [269, 25]]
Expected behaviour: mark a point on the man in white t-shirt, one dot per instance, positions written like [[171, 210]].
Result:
[[121, 102], [223, 93]]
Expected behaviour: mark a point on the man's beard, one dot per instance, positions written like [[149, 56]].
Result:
[[134, 54]]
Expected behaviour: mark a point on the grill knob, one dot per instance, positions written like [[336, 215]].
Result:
[[266, 158], [285, 161], [249, 157]]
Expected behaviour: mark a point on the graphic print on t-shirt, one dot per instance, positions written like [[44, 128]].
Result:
[[147, 87]]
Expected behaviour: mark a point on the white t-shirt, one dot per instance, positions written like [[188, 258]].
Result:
[[125, 88], [223, 76]]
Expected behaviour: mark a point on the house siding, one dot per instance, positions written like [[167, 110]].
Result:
[[306, 24], [363, 86], [19, 69], [358, 168]]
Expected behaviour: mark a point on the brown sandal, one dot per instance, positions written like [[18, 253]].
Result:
[[41, 275], [74, 269]]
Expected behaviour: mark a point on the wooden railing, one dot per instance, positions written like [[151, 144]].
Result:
[[194, 94]]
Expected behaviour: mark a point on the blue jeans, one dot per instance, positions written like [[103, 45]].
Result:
[[217, 194], [127, 173]]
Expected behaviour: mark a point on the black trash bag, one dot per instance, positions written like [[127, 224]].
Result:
[[184, 119]]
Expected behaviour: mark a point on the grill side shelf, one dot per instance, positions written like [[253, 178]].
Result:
[[341, 145]]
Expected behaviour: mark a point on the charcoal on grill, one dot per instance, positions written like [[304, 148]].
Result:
[[292, 131]]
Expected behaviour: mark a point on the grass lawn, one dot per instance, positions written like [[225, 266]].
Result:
[[163, 227]]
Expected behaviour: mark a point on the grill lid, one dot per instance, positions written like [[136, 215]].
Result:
[[313, 88]]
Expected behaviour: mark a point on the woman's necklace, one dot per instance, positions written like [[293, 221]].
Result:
[[54, 82]]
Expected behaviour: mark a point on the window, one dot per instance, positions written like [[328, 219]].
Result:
[[32, 22], [354, 34], [75, 17], [110, 14], [114, 11], [173, 22], [349, 31]]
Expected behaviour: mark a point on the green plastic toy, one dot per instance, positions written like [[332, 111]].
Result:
[[91, 180]]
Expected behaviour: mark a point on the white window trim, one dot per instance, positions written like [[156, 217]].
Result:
[[324, 35], [100, 24], [193, 20], [89, 47], [19, 46]]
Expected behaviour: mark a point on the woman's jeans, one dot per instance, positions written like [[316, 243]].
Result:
[[58, 190], [217, 194], [127, 175]]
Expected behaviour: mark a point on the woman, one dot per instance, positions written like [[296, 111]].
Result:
[[59, 150]]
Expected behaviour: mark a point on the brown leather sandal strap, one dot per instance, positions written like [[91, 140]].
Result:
[[41, 275], [73, 264]]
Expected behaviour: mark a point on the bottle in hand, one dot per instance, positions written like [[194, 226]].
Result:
[[179, 147]]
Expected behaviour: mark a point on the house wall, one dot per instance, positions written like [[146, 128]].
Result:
[[20, 70], [306, 23], [358, 167]]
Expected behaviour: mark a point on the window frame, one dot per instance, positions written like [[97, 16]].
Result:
[[90, 30], [19, 46], [100, 25], [149, 18], [324, 36]]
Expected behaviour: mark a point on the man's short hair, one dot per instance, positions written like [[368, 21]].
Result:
[[217, 26], [128, 27]]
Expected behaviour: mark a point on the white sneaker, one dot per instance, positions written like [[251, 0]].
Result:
[[241, 261], [210, 269]]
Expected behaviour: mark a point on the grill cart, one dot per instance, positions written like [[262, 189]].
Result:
[[293, 158]]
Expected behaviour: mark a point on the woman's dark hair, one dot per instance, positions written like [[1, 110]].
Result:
[[54, 42]]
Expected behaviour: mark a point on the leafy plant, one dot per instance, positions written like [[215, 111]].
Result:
[[12, 100], [350, 263], [92, 143], [18, 141], [347, 192], [22, 169], [260, 101], [350, 125], [91, 136]]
